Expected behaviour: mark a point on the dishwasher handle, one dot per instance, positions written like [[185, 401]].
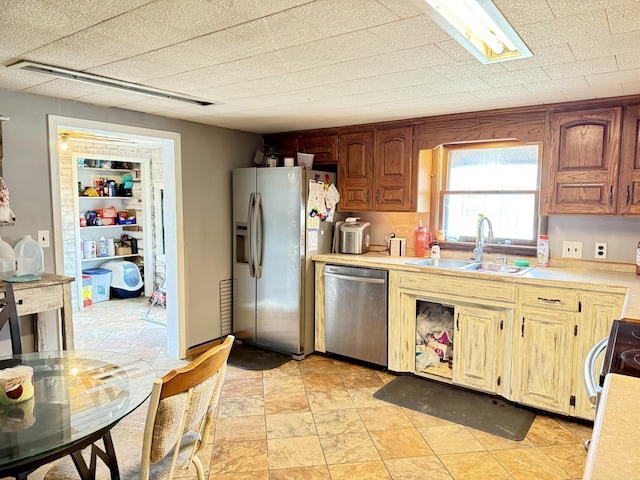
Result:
[[353, 278]]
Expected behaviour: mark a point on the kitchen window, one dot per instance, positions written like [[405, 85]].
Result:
[[497, 180]]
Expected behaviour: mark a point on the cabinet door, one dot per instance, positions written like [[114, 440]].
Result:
[[598, 312], [543, 359], [324, 147], [582, 153], [393, 169], [355, 171], [285, 144], [629, 198], [477, 346]]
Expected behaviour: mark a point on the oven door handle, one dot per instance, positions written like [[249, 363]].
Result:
[[589, 366]]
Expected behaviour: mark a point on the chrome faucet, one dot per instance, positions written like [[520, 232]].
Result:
[[480, 236]]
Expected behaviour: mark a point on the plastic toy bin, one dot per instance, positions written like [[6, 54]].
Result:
[[100, 283]]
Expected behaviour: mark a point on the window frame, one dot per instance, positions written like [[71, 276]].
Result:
[[517, 246]]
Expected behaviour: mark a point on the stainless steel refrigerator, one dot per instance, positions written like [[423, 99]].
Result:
[[273, 275]]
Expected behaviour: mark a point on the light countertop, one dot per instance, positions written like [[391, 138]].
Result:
[[616, 433], [611, 280]]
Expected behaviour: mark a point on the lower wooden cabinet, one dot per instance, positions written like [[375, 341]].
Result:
[[543, 359], [477, 349]]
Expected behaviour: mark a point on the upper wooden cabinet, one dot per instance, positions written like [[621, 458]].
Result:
[[355, 171], [375, 170], [285, 144], [629, 196], [582, 154], [324, 148]]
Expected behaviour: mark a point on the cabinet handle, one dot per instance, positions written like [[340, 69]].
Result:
[[628, 194], [550, 300], [378, 195], [367, 195], [522, 326], [458, 322], [611, 195]]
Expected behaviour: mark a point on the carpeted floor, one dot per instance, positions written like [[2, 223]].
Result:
[[484, 412], [249, 357]]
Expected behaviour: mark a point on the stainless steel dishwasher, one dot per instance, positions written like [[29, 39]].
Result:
[[355, 309]]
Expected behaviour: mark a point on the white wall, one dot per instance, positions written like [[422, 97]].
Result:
[[208, 155]]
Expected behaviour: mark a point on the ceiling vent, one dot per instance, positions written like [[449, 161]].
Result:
[[108, 83]]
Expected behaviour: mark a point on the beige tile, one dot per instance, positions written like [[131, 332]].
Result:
[[350, 368], [580, 430], [384, 418], [494, 442], [317, 365], [359, 471], [301, 473], [242, 387], [241, 428], [547, 431], [329, 400], [387, 377], [321, 382], [286, 402], [570, 457], [529, 464], [450, 439], [295, 452], [402, 443], [472, 466], [241, 406], [284, 425], [283, 384], [289, 369], [361, 379], [338, 422], [420, 468], [240, 457], [349, 448], [235, 372], [262, 475], [363, 397]]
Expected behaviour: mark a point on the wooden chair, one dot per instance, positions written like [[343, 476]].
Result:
[[180, 414], [9, 313]]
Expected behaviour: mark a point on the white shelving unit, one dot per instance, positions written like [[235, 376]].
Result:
[[139, 200]]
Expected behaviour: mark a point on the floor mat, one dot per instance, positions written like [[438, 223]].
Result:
[[488, 413], [249, 357]]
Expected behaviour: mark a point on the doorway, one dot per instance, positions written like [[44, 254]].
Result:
[[122, 138]]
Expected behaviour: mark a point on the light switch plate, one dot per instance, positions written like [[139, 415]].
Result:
[[571, 249]]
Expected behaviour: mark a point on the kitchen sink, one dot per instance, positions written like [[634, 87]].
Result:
[[440, 263], [498, 268]]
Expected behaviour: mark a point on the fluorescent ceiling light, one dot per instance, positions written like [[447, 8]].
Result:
[[107, 82], [479, 27]]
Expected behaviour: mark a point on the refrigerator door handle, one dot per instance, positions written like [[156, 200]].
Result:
[[259, 224], [250, 231]]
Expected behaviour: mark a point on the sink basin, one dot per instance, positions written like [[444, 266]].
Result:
[[498, 268], [440, 263]]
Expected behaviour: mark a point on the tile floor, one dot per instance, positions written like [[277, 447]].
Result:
[[316, 419]]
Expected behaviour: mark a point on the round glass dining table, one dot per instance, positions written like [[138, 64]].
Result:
[[79, 395]]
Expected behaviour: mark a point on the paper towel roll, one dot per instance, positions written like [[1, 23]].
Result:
[[111, 248]]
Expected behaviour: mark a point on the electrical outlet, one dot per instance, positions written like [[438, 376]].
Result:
[[43, 238], [601, 250], [571, 249]]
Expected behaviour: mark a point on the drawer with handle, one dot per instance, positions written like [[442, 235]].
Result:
[[549, 298]]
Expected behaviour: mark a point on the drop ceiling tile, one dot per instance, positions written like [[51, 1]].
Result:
[[82, 50], [597, 91], [350, 46], [110, 97], [15, 79], [613, 78], [523, 12], [16, 40], [42, 15], [582, 67], [456, 51], [511, 91], [628, 61], [132, 70], [461, 85], [354, 15], [543, 56], [515, 78], [539, 88], [469, 69], [402, 8], [604, 45], [255, 9], [220, 47], [174, 83], [631, 87], [576, 29], [624, 17], [410, 32], [563, 8], [94, 11]]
